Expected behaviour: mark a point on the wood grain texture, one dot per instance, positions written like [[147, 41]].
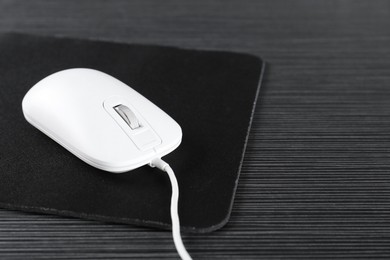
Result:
[[316, 177]]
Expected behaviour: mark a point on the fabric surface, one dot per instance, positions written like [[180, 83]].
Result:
[[210, 94]]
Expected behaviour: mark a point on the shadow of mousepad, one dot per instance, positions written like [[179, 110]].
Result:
[[211, 95]]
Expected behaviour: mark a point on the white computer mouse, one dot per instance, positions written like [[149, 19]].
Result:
[[100, 119]]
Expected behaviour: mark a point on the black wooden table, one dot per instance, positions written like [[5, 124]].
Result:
[[316, 177]]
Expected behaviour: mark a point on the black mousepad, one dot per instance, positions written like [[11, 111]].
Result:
[[211, 94]]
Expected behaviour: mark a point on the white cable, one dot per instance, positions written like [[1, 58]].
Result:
[[160, 164]]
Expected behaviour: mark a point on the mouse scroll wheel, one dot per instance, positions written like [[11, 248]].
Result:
[[128, 116]]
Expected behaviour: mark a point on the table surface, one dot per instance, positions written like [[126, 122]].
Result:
[[316, 176]]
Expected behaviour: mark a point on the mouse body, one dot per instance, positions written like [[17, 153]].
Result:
[[101, 120]]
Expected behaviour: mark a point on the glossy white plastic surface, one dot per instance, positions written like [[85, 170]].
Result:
[[75, 107]]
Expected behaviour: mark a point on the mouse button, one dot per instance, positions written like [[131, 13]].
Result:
[[128, 116], [124, 114], [145, 140], [144, 137]]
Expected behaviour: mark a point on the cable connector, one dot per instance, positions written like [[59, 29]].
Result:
[[160, 164]]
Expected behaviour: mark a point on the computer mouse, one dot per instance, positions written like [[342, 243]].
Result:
[[100, 119]]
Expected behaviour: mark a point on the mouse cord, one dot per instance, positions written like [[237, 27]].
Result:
[[160, 164]]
